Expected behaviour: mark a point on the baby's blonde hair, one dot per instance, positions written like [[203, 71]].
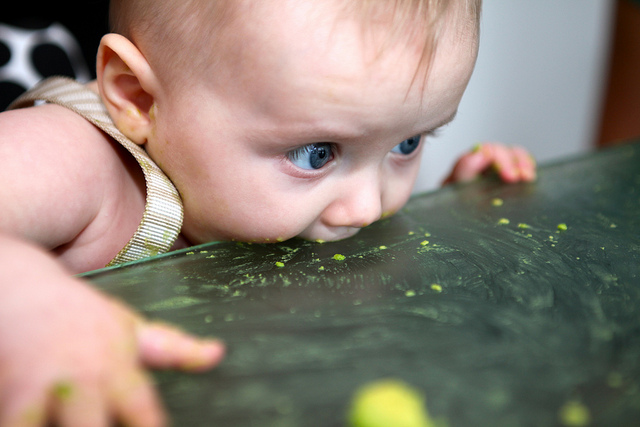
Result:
[[418, 20], [169, 31]]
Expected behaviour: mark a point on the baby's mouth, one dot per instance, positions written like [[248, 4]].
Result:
[[333, 235]]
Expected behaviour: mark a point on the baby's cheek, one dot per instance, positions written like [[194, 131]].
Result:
[[265, 229], [396, 200]]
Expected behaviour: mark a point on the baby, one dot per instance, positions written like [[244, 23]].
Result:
[[266, 120]]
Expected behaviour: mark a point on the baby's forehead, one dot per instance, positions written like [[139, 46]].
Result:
[[313, 53], [204, 34], [212, 15], [391, 16], [377, 26], [412, 23]]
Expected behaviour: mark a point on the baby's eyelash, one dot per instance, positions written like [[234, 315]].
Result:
[[434, 133], [312, 156]]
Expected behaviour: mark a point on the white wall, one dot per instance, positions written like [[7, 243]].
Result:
[[537, 83]]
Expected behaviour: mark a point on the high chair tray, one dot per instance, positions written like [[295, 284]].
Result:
[[505, 305]]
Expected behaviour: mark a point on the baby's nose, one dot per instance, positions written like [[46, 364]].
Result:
[[358, 206]]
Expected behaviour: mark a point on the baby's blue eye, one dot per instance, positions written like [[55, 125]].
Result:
[[312, 156], [407, 146]]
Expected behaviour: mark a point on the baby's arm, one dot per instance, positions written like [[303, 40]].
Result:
[[512, 164], [69, 353]]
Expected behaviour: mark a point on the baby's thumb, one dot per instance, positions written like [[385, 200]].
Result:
[[166, 347]]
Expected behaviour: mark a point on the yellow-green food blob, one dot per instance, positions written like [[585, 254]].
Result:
[[436, 287], [575, 414], [63, 390], [388, 403]]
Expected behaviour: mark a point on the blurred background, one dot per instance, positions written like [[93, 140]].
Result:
[[539, 82], [557, 77]]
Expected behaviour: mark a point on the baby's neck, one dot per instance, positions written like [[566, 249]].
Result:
[[181, 243]]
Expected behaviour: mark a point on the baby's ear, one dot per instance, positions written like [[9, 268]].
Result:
[[127, 86]]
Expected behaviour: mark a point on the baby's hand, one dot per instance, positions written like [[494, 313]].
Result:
[[512, 164], [74, 357]]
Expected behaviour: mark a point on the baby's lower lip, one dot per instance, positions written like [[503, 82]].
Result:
[[345, 233]]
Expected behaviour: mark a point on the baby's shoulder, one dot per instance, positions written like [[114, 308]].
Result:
[[70, 184], [45, 123], [54, 135]]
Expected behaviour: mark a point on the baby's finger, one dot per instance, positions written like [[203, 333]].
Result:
[[525, 163], [469, 167], [504, 163], [163, 346], [74, 407], [23, 409], [136, 403]]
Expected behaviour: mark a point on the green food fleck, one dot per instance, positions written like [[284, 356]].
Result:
[[574, 414], [436, 287], [63, 390], [279, 264], [339, 257], [497, 202], [523, 225], [562, 227], [382, 247], [410, 293], [503, 221], [387, 403], [424, 243]]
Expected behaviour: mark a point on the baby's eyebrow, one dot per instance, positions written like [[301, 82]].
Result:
[[444, 122]]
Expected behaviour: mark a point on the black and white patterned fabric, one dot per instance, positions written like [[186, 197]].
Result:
[[43, 39], [28, 55]]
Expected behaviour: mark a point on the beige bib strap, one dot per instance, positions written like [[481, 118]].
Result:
[[162, 218]]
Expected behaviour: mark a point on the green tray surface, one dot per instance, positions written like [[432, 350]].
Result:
[[472, 294]]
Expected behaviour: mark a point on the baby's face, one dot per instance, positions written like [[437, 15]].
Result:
[[303, 130]]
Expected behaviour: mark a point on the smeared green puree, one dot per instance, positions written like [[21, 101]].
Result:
[[173, 303]]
